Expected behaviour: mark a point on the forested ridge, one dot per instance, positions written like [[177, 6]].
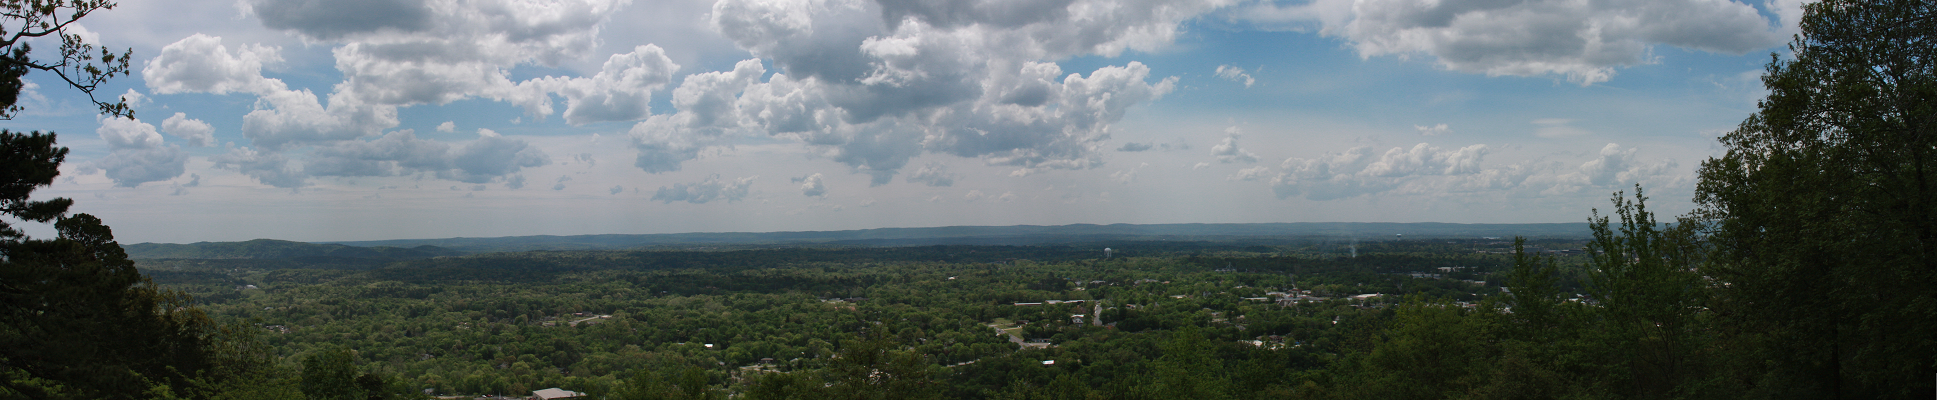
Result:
[[1025, 235], [280, 249]]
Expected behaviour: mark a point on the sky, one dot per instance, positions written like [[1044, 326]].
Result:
[[339, 120]]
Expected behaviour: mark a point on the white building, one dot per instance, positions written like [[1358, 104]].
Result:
[[555, 393]]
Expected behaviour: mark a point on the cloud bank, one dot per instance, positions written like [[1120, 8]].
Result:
[[286, 119], [137, 154], [869, 84], [1428, 169], [705, 191], [1583, 41], [873, 84]]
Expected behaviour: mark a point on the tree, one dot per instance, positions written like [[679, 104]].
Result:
[[79, 64], [1064, 386], [876, 368], [29, 161], [1533, 291], [1823, 211], [1643, 277], [1541, 348], [76, 319], [784, 386], [330, 375], [680, 383], [1189, 369]]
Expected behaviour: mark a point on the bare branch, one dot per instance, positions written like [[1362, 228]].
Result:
[[79, 64]]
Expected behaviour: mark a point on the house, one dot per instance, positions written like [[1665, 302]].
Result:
[[555, 393]]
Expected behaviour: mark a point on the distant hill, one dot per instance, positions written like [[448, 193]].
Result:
[[262, 249], [1003, 235]]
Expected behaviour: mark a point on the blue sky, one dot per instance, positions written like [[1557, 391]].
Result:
[[382, 119]]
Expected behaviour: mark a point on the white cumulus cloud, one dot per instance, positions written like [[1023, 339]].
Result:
[[934, 174], [196, 132], [488, 158], [869, 84], [1235, 74], [137, 154], [282, 117], [1434, 130], [1251, 174], [1615, 167], [1357, 171], [1424, 169], [621, 91], [271, 169], [707, 112], [201, 63], [705, 191], [811, 185], [873, 85], [1583, 41], [1228, 152]]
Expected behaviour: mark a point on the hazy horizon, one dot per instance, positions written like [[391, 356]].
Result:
[[1434, 232]]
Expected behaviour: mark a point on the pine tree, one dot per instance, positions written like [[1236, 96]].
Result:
[[76, 319]]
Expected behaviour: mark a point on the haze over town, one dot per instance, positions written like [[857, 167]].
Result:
[[390, 119]]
